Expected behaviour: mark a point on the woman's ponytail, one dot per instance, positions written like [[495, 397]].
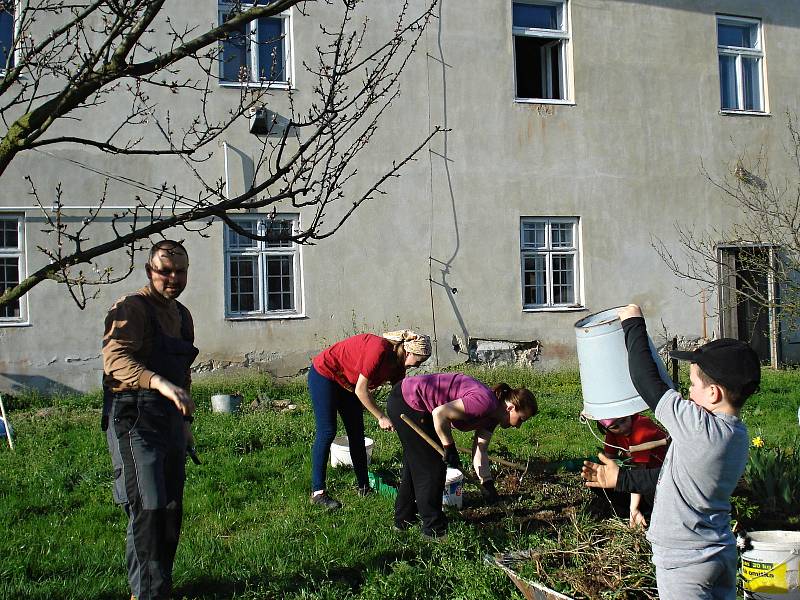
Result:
[[520, 398], [501, 391]]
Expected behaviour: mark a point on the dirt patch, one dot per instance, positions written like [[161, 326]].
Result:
[[530, 503]]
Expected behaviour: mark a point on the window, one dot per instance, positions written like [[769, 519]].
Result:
[[541, 35], [741, 64], [11, 264], [6, 35], [263, 277], [550, 261], [257, 52]]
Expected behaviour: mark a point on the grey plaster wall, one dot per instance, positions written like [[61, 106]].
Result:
[[625, 157]]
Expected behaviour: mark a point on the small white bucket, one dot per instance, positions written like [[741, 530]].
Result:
[[453, 488], [770, 567], [340, 451], [608, 391], [225, 403]]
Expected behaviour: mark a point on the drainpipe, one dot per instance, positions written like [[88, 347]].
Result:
[[225, 158], [774, 329]]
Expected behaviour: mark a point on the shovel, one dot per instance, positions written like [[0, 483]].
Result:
[[433, 444], [423, 435], [438, 448]]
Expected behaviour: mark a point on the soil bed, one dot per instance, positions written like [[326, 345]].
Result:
[[589, 551]]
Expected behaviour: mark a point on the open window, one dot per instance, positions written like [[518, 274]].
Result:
[[541, 38]]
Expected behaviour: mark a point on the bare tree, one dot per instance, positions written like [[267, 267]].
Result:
[[70, 58], [759, 254]]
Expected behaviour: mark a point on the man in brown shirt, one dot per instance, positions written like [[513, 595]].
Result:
[[148, 348]]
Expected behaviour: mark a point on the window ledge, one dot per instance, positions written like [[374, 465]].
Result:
[[743, 113], [273, 85], [543, 101], [554, 309], [15, 324], [261, 317]]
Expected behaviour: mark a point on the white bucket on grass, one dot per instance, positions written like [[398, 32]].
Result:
[[225, 403], [770, 567], [608, 391], [453, 488], [340, 451]]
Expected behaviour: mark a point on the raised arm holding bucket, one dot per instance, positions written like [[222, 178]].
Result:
[[341, 380], [608, 391], [694, 550], [435, 404]]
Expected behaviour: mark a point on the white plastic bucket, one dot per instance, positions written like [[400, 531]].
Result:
[[453, 488], [340, 451], [225, 403], [770, 567], [608, 391]]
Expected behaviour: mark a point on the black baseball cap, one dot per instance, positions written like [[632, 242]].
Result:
[[731, 363]]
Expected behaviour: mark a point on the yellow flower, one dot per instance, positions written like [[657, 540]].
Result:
[[758, 442]]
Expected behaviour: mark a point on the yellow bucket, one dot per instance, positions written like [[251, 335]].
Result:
[[770, 567]]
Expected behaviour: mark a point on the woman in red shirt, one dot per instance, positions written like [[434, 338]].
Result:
[[341, 380], [626, 432]]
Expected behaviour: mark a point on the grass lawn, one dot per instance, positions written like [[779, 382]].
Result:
[[249, 529]]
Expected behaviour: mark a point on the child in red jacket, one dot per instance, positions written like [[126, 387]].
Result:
[[625, 433]]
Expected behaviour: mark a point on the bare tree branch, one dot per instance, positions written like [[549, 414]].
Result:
[[111, 53], [764, 242]]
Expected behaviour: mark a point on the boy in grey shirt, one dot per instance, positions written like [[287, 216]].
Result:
[[694, 550]]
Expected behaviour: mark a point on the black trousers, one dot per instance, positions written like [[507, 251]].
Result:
[[424, 470], [147, 442]]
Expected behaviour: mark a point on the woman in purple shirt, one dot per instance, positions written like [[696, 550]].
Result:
[[437, 403]]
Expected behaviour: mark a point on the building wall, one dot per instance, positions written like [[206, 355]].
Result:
[[625, 157]]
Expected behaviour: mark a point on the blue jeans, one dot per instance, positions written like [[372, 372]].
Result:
[[329, 398]]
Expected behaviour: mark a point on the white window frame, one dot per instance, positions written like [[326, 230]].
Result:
[[223, 8], [739, 53], [558, 35], [262, 251], [548, 251], [20, 254]]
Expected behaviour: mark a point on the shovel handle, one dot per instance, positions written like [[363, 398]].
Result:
[[648, 445], [500, 461], [438, 448], [422, 434]]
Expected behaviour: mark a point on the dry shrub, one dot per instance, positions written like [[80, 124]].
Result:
[[598, 560]]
